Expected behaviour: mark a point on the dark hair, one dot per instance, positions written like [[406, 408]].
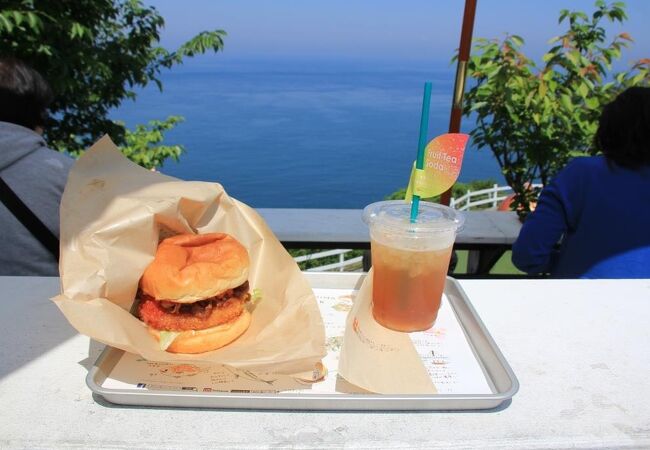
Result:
[[24, 94], [624, 129]]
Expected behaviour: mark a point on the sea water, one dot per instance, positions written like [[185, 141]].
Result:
[[310, 135]]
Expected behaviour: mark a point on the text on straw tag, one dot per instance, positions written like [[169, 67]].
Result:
[[443, 158]]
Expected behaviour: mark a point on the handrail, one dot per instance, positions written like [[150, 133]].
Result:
[[490, 196], [488, 231], [318, 255], [340, 265]]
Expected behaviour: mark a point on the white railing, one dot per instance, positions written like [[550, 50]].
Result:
[[490, 196], [341, 265]]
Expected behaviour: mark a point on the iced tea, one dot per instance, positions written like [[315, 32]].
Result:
[[407, 286], [410, 261]]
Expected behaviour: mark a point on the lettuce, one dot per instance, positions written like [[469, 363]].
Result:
[[257, 296], [166, 338]]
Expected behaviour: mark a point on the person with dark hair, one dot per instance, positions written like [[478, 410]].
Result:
[[32, 176], [593, 219]]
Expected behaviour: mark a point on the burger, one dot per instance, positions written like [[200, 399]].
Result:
[[193, 295]]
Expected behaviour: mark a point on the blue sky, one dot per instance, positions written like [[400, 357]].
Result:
[[376, 30]]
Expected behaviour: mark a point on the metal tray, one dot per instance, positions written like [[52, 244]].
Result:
[[499, 376]]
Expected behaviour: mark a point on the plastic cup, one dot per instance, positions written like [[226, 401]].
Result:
[[410, 261]]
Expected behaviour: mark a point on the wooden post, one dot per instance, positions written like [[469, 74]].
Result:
[[461, 71]]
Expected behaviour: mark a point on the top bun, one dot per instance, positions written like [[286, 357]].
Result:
[[189, 267]]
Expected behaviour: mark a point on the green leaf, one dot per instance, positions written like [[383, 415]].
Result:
[[592, 103], [477, 105], [518, 40], [566, 102], [542, 89], [583, 90], [44, 49], [563, 15], [637, 79], [34, 22], [18, 17], [529, 98], [574, 57], [167, 338], [256, 297], [6, 23]]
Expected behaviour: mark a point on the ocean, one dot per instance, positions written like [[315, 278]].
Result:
[[301, 134]]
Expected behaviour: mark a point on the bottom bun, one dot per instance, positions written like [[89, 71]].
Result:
[[201, 341]]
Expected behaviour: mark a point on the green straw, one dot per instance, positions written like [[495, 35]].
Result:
[[419, 163]]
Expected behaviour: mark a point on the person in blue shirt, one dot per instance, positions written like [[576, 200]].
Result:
[[593, 219]]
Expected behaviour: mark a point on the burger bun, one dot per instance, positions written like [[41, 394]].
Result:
[[189, 268]]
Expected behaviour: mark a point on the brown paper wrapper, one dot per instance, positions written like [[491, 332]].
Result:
[[378, 359], [113, 214]]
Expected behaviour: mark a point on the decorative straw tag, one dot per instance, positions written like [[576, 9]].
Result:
[[442, 162]]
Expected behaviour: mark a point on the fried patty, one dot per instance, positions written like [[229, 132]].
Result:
[[169, 316]]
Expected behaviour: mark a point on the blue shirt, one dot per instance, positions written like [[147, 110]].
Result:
[[601, 214]]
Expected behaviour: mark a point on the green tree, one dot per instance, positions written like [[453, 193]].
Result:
[[95, 54], [534, 119], [143, 145]]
